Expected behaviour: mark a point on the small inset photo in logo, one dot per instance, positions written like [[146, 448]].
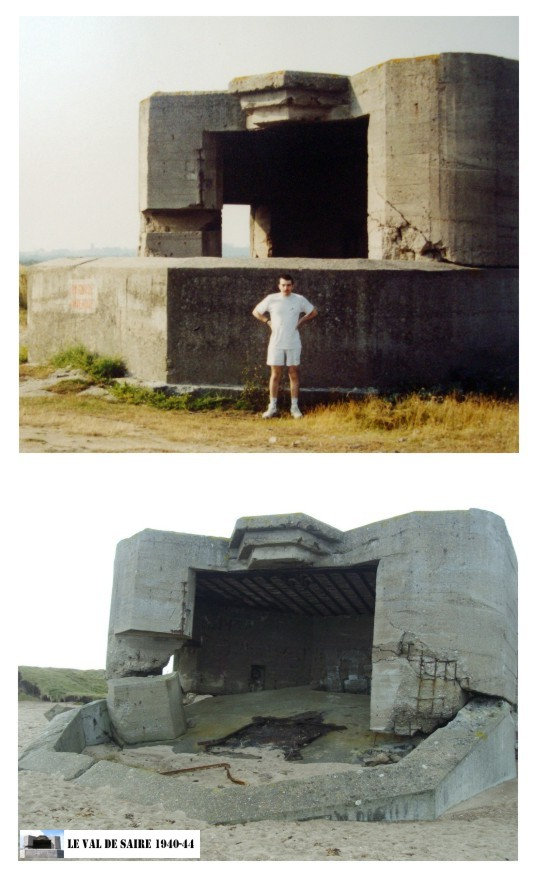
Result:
[[48, 844]]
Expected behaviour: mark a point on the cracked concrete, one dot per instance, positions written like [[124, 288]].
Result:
[[422, 606], [433, 618], [473, 752]]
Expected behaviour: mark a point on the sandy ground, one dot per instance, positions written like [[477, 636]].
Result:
[[483, 828]]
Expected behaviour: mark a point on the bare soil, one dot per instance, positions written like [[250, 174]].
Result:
[[92, 420]]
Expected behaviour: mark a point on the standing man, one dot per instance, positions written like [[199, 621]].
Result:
[[284, 309]]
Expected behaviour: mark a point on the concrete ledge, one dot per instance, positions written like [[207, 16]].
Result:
[[473, 752], [312, 396], [58, 748], [64, 764]]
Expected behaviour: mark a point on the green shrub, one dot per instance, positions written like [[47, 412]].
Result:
[[255, 391], [23, 287], [107, 368], [183, 402], [100, 368], [23, 354]]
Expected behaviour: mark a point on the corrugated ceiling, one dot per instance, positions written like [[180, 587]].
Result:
[[318, 592]]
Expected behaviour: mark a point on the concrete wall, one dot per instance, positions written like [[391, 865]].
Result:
[[153, 598], [229, 640], [443, 158], [112, 306], [342, 653], [333, 653], [381, 325], [478, 111], [180, 184], [445, 622]]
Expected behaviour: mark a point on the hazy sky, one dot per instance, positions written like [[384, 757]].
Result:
[[82, 79]]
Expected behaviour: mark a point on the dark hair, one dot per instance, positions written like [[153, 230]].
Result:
[[285, 278]]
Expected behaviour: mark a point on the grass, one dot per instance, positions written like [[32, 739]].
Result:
[[474, 423], [70, 386], [138, 419], [23, 286], [62, 685], [98, 367], [179, 402], [35, 371]]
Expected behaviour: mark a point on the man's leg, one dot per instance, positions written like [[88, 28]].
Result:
[[293, 375], [274, 382]]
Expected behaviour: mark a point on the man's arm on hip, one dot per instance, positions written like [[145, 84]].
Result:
[[308, 317]]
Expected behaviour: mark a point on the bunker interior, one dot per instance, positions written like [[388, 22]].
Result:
[[276, 628]]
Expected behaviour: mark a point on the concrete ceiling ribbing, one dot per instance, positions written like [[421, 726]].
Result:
[[318, 592]]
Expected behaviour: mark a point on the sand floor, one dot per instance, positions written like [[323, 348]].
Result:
[[483, 828]]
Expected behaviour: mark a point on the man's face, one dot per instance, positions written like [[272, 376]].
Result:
[[285, 287]]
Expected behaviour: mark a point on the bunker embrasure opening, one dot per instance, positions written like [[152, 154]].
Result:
[[281, 628], [306, 184]]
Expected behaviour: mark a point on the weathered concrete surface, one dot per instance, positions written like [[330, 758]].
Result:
[[382, 325], [443, 158], [58, 749], [473, 752], [436, 596], [146, 709], [333, 653], [179, 182], [112, 306], [152, 604], [292, 96], [66, 764], [261, 541], [446, 614], [440, 168]]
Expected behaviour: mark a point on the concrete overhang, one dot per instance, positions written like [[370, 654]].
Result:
[[292, 96], [267, 541]]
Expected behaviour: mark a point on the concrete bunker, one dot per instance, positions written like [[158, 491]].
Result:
[[41, 846], [391, 195], [418, 612], [425, 674], [413, 159]]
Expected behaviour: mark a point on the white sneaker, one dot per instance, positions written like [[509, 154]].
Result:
[[270, 412], [295, 412]]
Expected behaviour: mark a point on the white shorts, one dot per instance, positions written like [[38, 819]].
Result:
[[278, 357]]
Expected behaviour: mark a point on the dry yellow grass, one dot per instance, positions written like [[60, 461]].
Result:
[[76, 424]]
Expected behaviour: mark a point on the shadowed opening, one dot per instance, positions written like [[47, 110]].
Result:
[[279, 628], [306, 184]]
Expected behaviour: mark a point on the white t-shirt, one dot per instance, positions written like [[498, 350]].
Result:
[[284, 314]]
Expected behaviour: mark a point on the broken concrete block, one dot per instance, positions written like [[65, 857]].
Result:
[[146, 709]]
